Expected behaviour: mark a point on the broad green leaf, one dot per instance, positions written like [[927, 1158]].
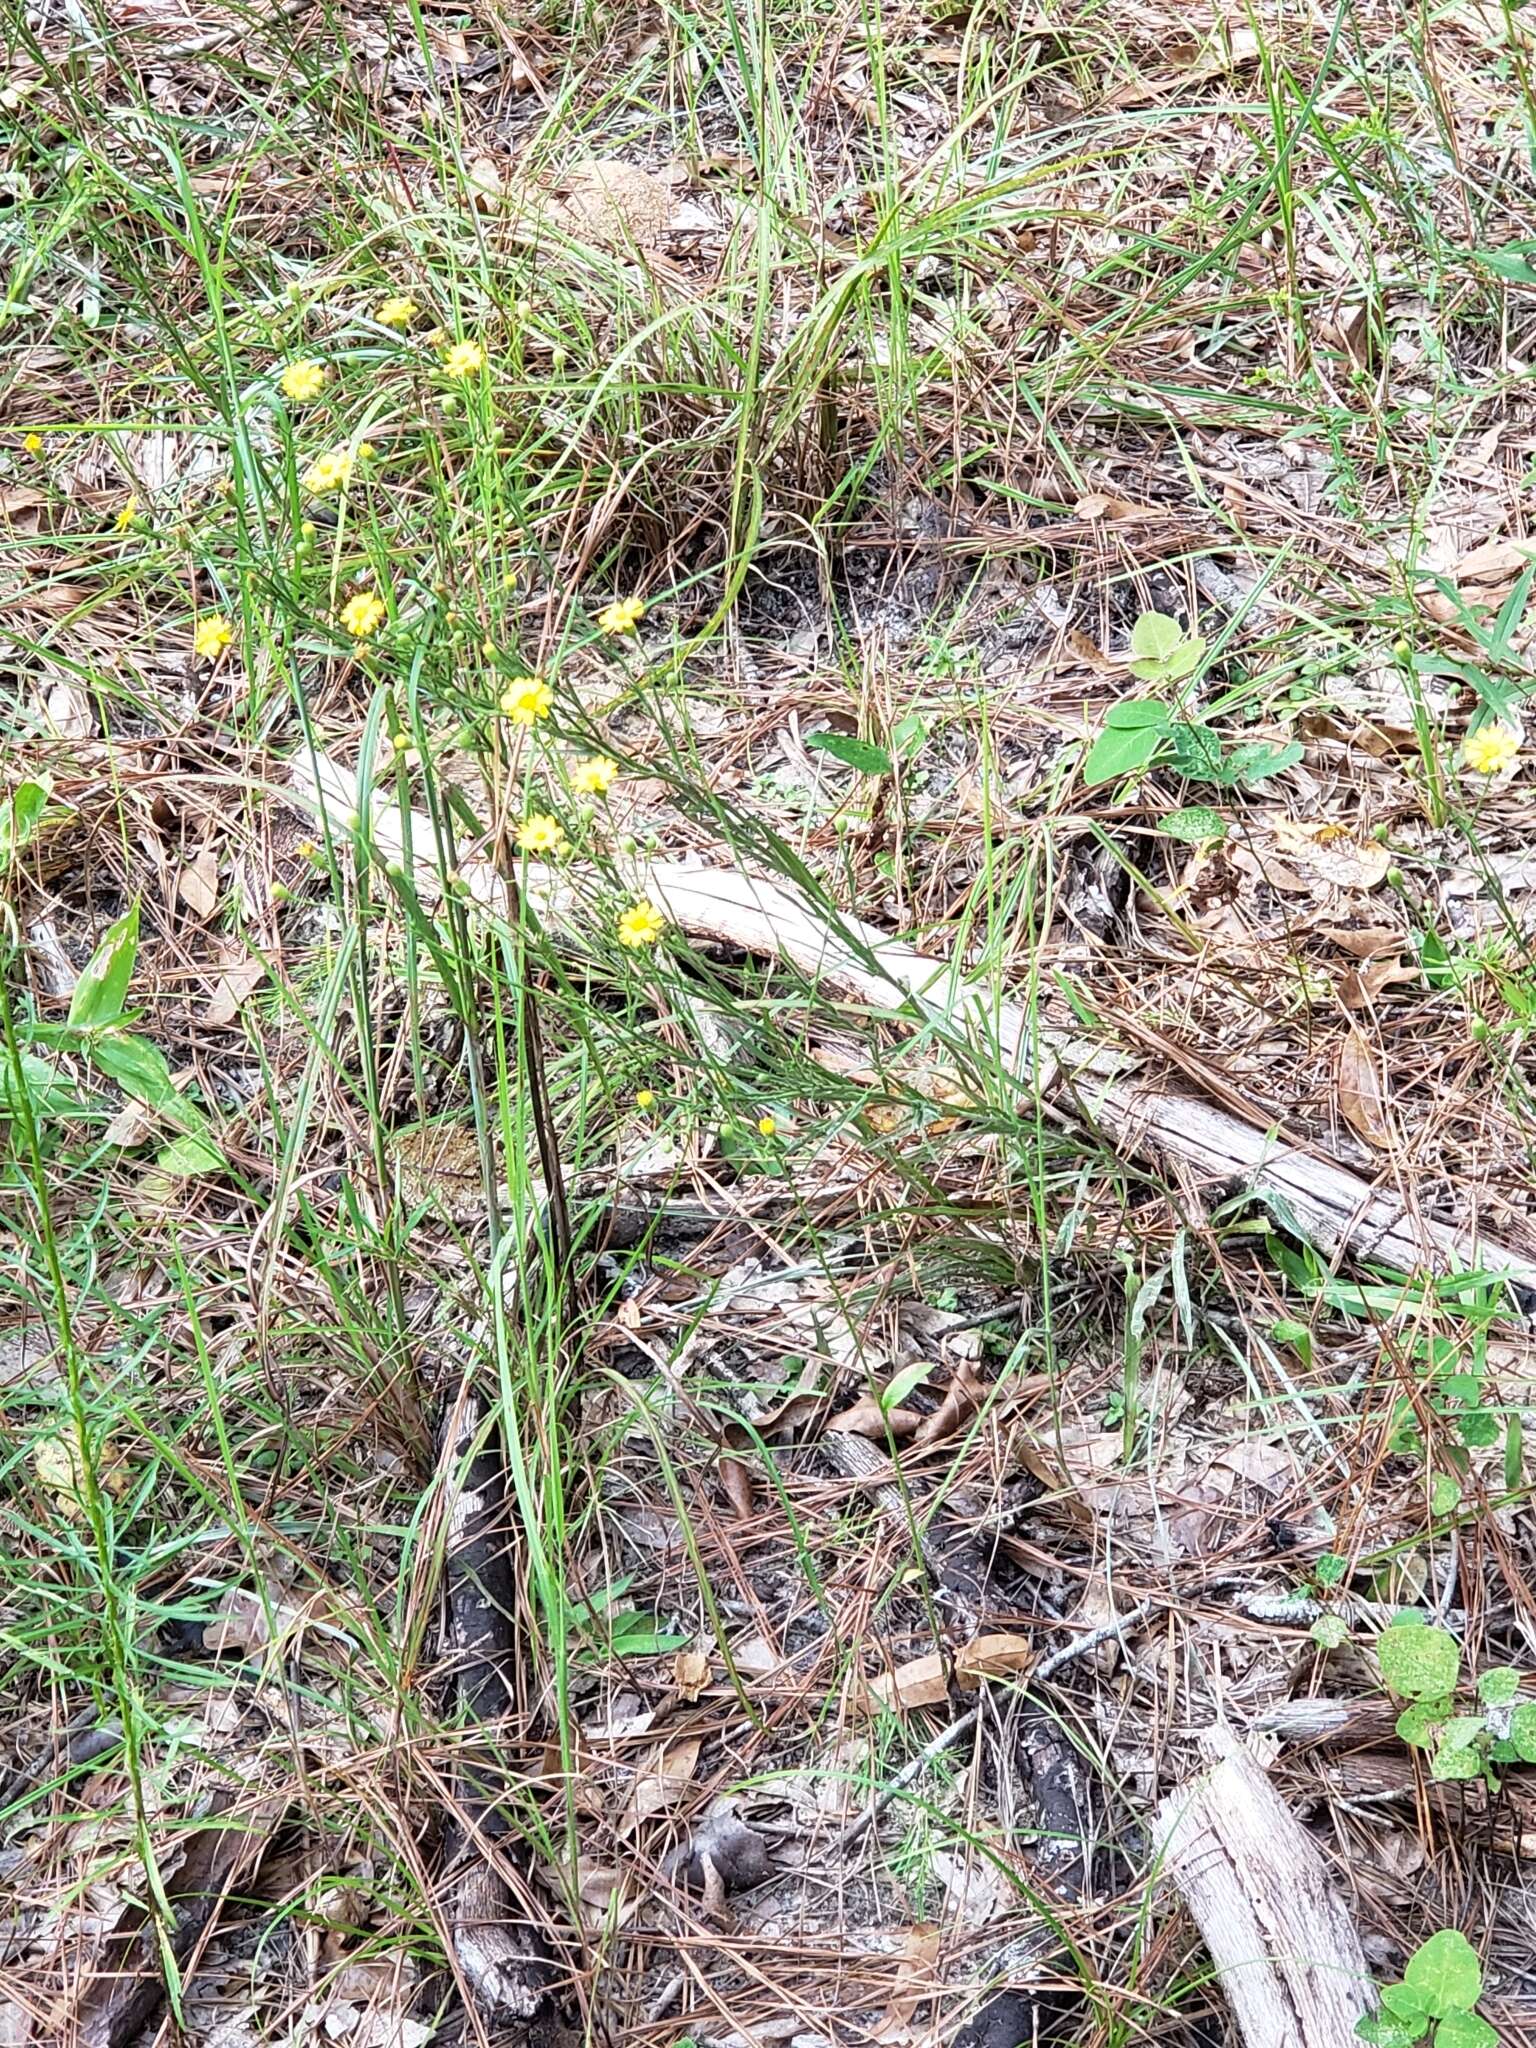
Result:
[[860, 754], [1418, 1662], [190, 1155], [1330, 1569], [101, 989], [1330, 1631], [1478, 1428], [1121, 751], [1199, 755], [1498, 1685], [1419, 1725], [1403, 2002], [1255, 761], [1132, 713], [137, 1067], [1522, 1731], [1444, 1494], [1386, 2030], [1161, 650], [907, 1381], [1461, 1732], [1445, 1973], [1466, 2029], [1198, 824]]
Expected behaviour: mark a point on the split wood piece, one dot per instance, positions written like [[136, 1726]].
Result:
[[500, 1953], [1286, 1952], [125, 1988], [1330, 1206]]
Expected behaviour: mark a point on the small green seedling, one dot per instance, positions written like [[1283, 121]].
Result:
[[1139, 730], [1442, 1983], [1420, 1664]]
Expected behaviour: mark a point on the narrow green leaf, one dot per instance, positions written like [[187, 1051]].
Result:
[[101, 990], [867, 758], [188, 1156]]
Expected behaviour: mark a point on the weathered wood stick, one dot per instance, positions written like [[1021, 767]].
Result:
[[1286, 1952], [1328, 1205]]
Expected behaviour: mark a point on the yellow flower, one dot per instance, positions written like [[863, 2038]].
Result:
[[331, 471], [766, 1126], [641, 925], [463, 359], [397, 312], [303, 381], [366, 451], [539, 833], [526, 700], [1490, 748], [645, 1098], [33, 443], [622, 617], [129, 514], [363, 614], [212, 636], [594, 776]]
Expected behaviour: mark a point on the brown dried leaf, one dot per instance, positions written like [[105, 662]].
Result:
[[924, 1682], [867, 1418], [1363, 942], [235, 986], [68, 710], [1362, 1089], [1331, 854], [916, 1983], [661, 1781], [736, 1484], [198, 883]]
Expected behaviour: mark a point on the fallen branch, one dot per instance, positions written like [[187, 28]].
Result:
[[1325, 1203], [1285, 1951]]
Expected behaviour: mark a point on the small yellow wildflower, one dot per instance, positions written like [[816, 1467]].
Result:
[[129, 514], [1490, 748], [463, 359], [594, 776], [212, 636], [526, 700], [366, 451], [488, 649], [539, 833], [622, 617], [766, 1126], [402, 743], [303, 381], [331, 471], [363, 614], [33, 443], [641, 925], [397, 312], [645, 1098]]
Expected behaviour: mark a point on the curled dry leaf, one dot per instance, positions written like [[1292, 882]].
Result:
[[1362, 1089], [962, 1399], [786, 1424], [736, 1484], [690, 1672]]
